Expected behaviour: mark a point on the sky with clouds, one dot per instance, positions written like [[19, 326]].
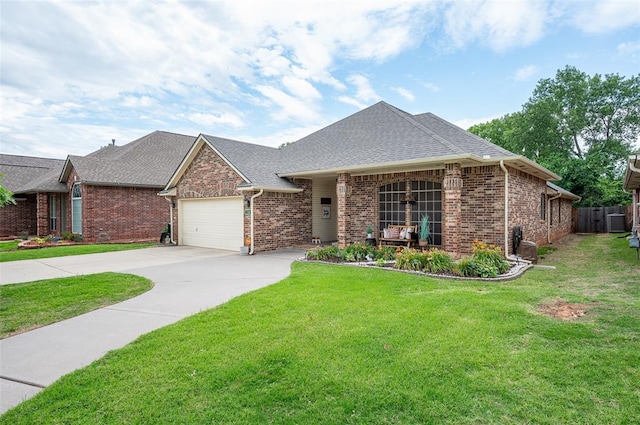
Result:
[[77, 74]]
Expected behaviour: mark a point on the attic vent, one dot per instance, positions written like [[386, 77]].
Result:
[[486, 156]]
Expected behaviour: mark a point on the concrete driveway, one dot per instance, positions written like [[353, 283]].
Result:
[[187, 280]]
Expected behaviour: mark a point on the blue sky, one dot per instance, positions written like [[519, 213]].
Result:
[[76, 74]]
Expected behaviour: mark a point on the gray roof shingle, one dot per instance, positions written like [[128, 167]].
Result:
[[382, 134], [257, 163], [22, 172], [149, 161]]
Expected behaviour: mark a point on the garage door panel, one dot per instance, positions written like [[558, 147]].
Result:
[[212, 223]]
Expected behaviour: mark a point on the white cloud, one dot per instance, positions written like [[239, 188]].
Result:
[[431, 86], [631, 49], [499, 24], [289, 106], [301, 88], [224, 118], [404, 93], [525, 73], [465, 123], [605, 15], [365, 94]]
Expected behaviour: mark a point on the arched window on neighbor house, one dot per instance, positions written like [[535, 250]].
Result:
[[76, 209]]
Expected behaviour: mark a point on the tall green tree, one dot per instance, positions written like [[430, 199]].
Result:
[[582, 127]]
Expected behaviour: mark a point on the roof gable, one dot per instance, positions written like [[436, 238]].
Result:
[[255, 164]]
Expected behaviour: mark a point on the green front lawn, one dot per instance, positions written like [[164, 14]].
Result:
[[9, 250], [26, 306], [344, 345]]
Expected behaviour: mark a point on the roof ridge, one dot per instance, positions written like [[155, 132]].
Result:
[[409, 118]]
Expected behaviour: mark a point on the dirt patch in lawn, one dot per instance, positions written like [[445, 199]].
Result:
[[564, 310]]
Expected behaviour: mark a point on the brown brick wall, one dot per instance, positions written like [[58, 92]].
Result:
[[482, 206], [282, 220], [122, 214], [19, 218], [111, 214], [481, 203], [524, 206]]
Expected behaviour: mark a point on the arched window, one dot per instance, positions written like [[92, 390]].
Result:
[[76, 209]]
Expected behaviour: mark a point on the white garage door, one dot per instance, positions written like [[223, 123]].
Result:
[[212, 223]]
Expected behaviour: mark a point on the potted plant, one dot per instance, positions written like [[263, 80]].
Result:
[[425, 231], [370, 232]]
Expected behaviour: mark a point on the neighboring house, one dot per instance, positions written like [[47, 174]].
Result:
[[632, 183], [379, 166], [30, 179], [108, 195]]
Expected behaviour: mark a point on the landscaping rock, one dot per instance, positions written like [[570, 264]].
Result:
[[528, 251]]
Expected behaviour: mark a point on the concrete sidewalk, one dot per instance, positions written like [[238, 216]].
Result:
[[187, 280]]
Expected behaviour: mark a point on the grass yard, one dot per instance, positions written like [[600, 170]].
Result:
[[343, 345], [26, 306], [9, 250]]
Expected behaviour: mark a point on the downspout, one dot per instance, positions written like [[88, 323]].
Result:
[[252, 219], [506, 208], [549, 217], [170, 219]]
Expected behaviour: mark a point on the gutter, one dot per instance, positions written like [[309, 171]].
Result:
[[253, 197]]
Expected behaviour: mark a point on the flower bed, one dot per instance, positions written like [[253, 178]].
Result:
[[35, 243], [486, 262]]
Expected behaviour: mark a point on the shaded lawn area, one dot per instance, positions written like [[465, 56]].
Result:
[[9, 251], [335, 344], [26, 306]]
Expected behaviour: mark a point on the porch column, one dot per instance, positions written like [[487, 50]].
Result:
[[452, 212], [42, 214], [343, 192]]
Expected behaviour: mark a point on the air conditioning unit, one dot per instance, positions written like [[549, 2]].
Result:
[[615, 223]]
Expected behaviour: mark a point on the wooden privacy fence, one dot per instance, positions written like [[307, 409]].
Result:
[[595, 219]]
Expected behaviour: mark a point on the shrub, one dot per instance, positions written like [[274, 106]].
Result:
[[357, 252], [437, 261], [324, 253], [486, 261], [410, 259], [431, 261], [385, 253]]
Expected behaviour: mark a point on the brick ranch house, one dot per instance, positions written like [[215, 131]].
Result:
[[108, 195], [632, 183], [27, 177], [379, 166]]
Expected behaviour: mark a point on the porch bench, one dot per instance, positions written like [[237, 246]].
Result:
[[396, 229]]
